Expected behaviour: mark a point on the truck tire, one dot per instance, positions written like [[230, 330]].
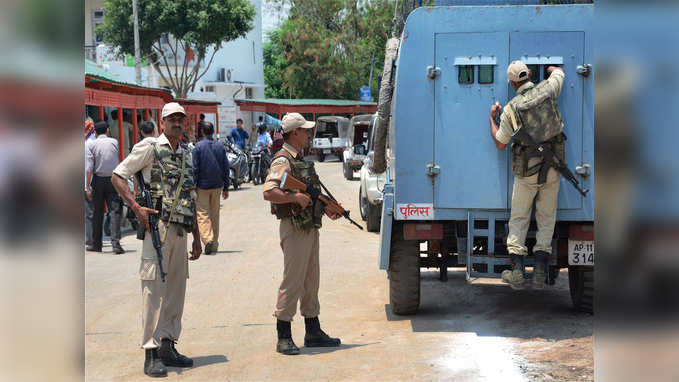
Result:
[[348, 172], [373, 216], [362, 204], [581, 284], [404, 274]]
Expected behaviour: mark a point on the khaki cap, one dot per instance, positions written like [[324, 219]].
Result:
[[517, 71], [292, 121], [171, 108]]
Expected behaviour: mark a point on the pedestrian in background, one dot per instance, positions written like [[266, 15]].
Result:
[[102, 158], [239, 136], [90, 136], [211, 174]]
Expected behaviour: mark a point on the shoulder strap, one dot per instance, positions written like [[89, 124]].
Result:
[[512, 116]]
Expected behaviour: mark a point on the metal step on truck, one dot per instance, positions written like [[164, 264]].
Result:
[[448, 194]]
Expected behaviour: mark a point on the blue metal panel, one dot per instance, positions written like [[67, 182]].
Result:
[[473, 172]]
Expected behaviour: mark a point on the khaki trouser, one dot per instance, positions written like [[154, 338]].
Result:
[[207, 213], [163, 302], [545, 195], [300, 272]]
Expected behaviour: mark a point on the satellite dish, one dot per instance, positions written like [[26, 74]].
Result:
[[228, 75]]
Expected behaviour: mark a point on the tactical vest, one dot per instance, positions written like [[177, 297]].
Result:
[[165, 175], [302, 219], [537, 112]]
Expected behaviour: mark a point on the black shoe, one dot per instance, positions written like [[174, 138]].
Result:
[[285, 344], [171, 357], [153, 366], [91, 248], [315, 337], [208, 248], [117, 249]]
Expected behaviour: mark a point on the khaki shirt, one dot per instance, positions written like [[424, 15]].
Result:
[[142, 158], [279, 167], [505, 131]]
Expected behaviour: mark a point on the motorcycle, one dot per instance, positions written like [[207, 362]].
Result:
[[239, 171], [260, 160]]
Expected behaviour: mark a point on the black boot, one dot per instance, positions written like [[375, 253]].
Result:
[[153, 366], [285, 344], [171, 357], [514, 277], [540, 269], [315, 337]]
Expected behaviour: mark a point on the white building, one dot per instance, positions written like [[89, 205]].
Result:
[[237, 70]]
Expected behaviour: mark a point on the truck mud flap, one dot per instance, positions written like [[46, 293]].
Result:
[[385, 228]]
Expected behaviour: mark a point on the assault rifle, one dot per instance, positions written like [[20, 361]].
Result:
[[549, 159], [290, 183], [145, 201]]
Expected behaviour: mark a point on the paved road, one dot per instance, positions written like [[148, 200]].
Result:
[[463, 332]]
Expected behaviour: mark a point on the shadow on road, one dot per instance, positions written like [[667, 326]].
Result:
[[495, 310], [312, 351], [214, 253], [201, 361]]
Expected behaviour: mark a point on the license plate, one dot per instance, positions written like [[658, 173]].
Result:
[[326, 151], [580, 252]]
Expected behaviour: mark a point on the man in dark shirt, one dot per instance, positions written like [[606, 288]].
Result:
[[239, 136], [211, 173], [102, 158]]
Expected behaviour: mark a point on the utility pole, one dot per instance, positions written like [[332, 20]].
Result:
[[137, 54]]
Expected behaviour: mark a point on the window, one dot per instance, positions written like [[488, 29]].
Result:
[[248, 93], [536, 73], [545, 75], [209, 88], [465, 74], [486, 73]]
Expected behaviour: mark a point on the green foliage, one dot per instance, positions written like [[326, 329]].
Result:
[[194, 24], [325, 47]]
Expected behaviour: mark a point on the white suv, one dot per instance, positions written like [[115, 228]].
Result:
[[372, 185]]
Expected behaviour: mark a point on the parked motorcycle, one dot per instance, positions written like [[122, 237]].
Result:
[[239, 171], [260, 160]]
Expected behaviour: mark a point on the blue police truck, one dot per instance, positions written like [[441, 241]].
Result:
[[448, 196]]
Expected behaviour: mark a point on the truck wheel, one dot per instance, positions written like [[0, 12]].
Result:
[[404, 274], [363, 204], [581, 284], [374, 215], [348, 172], [321, 156], [255, 176]]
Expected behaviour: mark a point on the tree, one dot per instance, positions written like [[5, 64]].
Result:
[[325, 48], [176, 35]]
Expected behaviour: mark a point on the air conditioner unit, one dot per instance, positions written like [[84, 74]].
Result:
[[221, 76]]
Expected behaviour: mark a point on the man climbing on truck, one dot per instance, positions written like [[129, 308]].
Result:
[[534, 109]]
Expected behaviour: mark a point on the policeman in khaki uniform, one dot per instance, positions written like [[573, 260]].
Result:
[[300, 220], [535, 109], [167, 165]]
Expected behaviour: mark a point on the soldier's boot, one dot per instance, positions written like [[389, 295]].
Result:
[[285, 344], [514, 276], [153, 365], [540, 269], [171, 357], [315, 337]]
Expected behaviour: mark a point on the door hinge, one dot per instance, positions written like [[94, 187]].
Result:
[[433, 71], [582, 170], [584, 70], [433, 170]]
